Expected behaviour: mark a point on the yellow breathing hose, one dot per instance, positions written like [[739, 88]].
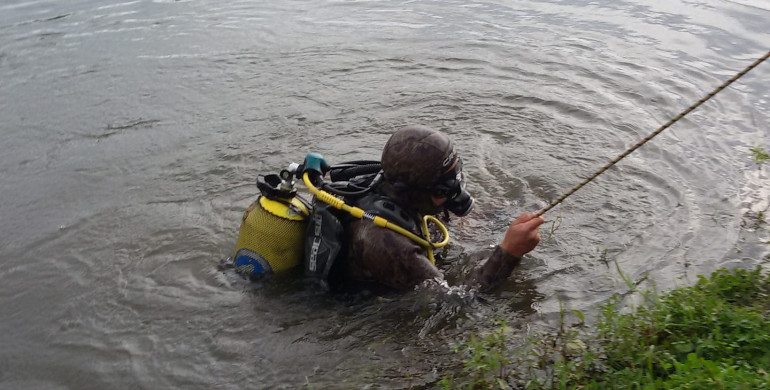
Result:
[[382, 222]]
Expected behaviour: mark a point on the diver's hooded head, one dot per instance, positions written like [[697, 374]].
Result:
[[421, 164]]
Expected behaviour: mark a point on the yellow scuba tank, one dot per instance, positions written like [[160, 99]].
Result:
[[271, 238]]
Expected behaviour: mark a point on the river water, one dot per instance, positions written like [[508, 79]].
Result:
[[132, 132]]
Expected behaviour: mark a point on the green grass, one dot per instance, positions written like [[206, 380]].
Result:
[[713, 335], [759, 154]]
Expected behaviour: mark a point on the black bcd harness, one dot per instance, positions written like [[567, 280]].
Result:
[[326, 237]]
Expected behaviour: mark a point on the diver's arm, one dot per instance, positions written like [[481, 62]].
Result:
[[389, 257], [495, 270], [396, 261], [521, 237]]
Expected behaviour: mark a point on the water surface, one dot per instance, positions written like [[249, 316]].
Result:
[[132, 133]]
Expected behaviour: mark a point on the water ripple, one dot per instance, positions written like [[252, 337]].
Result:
[[133, 133]]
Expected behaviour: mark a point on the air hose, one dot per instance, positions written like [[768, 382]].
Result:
[[382, 222]]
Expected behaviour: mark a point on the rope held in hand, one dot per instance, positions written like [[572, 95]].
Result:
[[656, 132]]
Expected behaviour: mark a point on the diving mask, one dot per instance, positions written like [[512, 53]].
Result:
[[451, 186]]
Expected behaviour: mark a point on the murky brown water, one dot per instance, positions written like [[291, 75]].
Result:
[[132, 132]]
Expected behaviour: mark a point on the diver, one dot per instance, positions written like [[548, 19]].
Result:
[[422, 175], [369, 222]]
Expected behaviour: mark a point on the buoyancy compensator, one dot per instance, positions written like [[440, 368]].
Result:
[[273, 227], [325, 241], [348, 196]]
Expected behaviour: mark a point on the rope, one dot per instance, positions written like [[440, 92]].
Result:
[[656, 132]]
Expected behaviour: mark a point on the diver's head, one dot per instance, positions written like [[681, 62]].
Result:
[[422, 167]]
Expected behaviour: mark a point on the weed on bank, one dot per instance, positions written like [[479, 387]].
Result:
[[713, 335]]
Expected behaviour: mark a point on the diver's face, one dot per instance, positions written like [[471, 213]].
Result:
[[438, 201]]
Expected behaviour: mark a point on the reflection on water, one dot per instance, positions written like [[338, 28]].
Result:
[[133, 131]]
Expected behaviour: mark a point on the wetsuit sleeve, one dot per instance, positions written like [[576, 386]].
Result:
[[388, 257], [495, 270]]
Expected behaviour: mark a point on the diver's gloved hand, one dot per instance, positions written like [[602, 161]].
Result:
[[522, 235]]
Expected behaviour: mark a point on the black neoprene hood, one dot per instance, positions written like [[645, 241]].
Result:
[[417, 156]]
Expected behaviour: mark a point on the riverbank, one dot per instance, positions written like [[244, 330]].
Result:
[[713, 335]]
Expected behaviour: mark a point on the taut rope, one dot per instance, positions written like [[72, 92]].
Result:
[[654, 133]]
